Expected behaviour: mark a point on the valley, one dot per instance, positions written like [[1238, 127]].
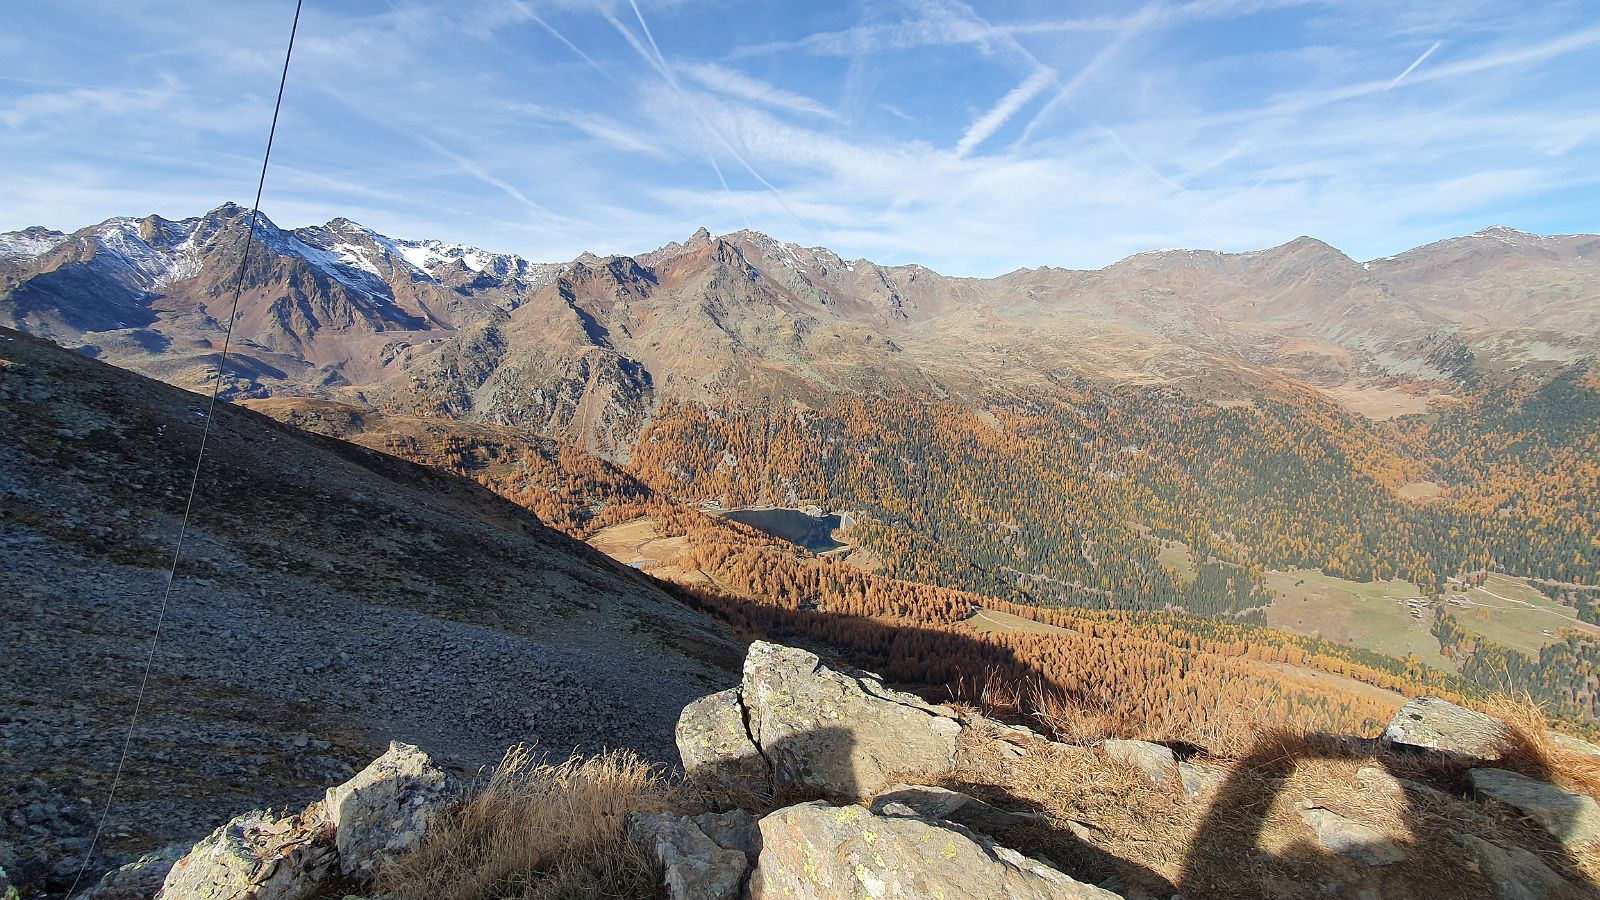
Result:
[[1182, 433]]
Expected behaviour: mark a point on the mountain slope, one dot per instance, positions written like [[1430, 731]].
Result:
[[331, 598], [591, 348]]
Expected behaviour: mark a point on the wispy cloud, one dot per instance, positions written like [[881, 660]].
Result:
[[596, 126], [659, 61], [78, 101], [920, 131], [1127, 32], [477, 171], [736, 84], [897, 112]]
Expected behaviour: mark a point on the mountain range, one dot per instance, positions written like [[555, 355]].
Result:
[[593, 347], [1181, 498]]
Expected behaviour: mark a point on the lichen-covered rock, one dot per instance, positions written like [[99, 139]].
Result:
[[256, 855], [7, 891], [387, 808], [1155, 761], [138, 880], [841, 734], [1573, 818], [715, 747], [697, 867], [817, 851], [932, 802], [1352, 840], [1434, 724], [1515, 873], [735, 830]]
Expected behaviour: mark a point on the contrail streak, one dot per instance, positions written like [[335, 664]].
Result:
[[1412, 68]]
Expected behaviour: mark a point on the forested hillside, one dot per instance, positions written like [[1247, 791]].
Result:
[[1042, 500]]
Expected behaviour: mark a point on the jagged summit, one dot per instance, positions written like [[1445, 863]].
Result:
[[1502, 231]]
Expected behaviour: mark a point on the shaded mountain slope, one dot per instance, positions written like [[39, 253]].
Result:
[[331, 598]]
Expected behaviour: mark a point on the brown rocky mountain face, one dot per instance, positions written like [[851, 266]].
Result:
[[591, 348]]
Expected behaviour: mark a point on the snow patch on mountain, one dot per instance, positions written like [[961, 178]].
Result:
[[29, 243], [362, 278], [145, 264], [429, 255]]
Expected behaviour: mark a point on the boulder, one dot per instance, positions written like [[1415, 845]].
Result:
[[1572, 744], [735, 830], [1434, 724], [1155, 761], [697, 867], [138, 880], [1375, 779], [1198, 778], [1515, 873], [1352, 840], [818, 851], [387, 808], [1573, 818], [931, 802], [256, 855], [814, 730], [717, 749]]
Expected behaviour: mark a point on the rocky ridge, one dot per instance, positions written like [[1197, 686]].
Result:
[[816, 835], [592, 347]]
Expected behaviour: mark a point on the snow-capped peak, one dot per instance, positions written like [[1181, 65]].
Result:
[[29, 242], [1506, 235], [154, 251]]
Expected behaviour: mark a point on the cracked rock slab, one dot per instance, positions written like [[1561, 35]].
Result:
[[1433, 724], [387, 808], [256, 855], [817, 851], [1574, 819], [716, 747], [815, 730], [697, 867], [1354, 841], [932, 802], [1155, 761], [1515, 873]]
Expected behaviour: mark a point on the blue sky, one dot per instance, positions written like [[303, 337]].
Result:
[[971, 138]]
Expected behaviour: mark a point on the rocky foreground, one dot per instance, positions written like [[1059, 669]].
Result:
[[330, 599], [826, 783]]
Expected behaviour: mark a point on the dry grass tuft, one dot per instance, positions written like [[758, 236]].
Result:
[[536, 831], [1530, 749]]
